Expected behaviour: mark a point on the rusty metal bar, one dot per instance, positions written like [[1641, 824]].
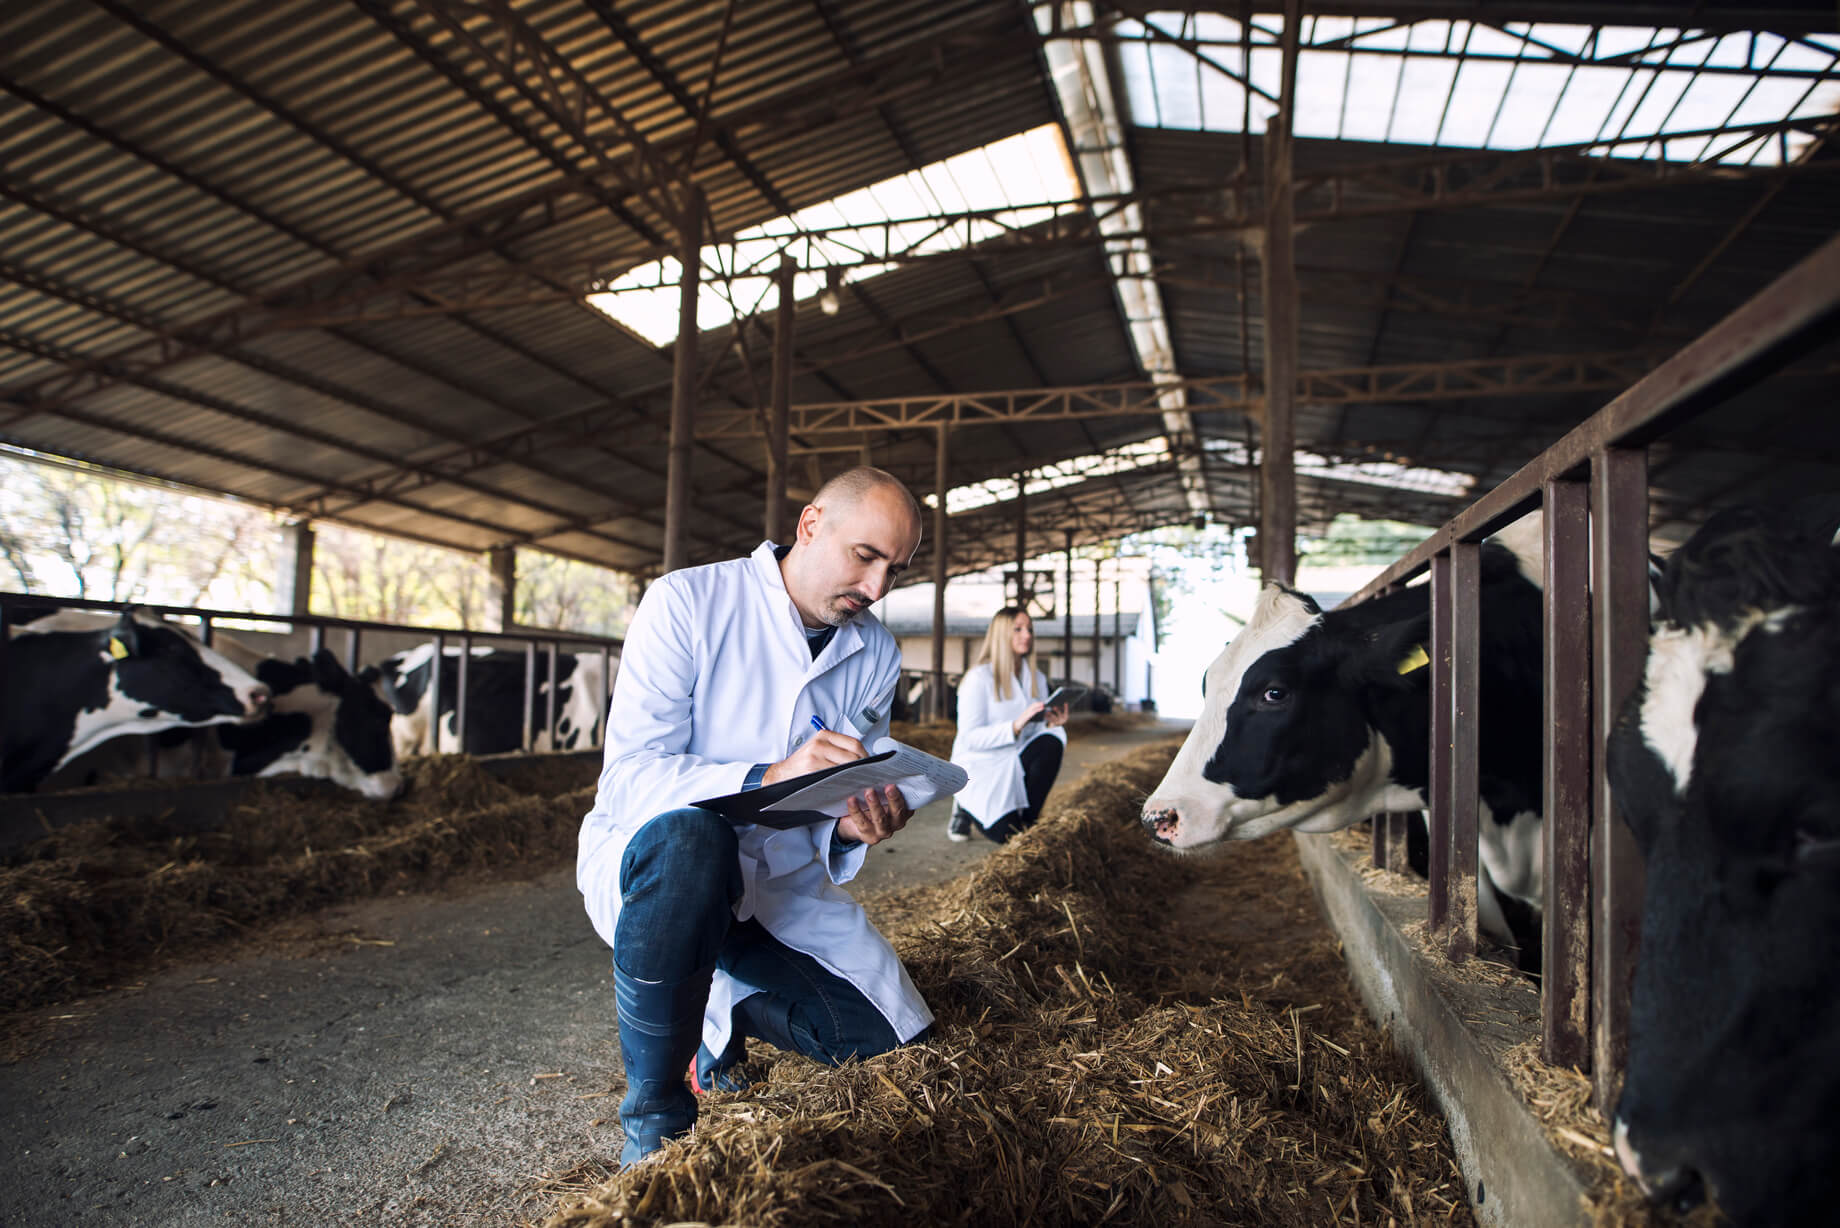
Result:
[[1566, 806], [1465, 688], [434, 694], [1619, 623], [683, 386], [1377, 833], [1067, 617], [1442, 741], [353, 641], [600, 736], [530, 691], [549, 722], [1398, 832], [1278, 430], [941, 484], [778, 522], [463, 676], [1096, 647]]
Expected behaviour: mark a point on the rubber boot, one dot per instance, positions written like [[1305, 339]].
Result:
[[710, 1073], [661, 1025]]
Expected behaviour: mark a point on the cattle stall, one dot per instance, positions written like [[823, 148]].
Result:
[[362, 645], [1592, 486]]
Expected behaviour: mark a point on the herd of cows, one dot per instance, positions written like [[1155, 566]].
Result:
[[94, 698], [1722, 765]]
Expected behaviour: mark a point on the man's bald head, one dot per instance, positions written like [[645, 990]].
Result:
[[847, 489], [858, 533]]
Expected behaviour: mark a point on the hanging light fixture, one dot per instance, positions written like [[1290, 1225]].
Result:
[[828, 302]]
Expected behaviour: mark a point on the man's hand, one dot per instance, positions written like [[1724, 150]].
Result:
[[824, 749], [875, 815]]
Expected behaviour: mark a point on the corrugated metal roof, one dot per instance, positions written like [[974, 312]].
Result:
[[230, 233]]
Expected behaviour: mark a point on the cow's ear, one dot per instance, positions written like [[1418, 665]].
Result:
[[369, 675], [1395, 654], [125, 637], [327, 671]]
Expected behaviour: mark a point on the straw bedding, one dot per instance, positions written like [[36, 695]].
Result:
[[98, 902], [1122, 1037]]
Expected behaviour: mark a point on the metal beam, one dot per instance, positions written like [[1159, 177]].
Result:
[[1525, 375], [683, 386]]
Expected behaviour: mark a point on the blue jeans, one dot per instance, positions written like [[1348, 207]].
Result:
[[679, 881]]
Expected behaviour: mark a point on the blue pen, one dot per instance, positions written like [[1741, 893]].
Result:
[[818, 725]]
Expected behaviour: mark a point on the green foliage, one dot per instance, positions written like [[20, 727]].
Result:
[[1354, 541]]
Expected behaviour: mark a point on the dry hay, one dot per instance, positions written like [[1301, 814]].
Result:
[[1122, 1037], [95, 901], [933, 737]]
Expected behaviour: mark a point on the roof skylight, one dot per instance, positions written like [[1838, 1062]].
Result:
[[1122, 459], [1519, 85], [1022, 180]]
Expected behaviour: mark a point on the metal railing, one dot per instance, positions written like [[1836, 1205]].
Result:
[[1593, 485], [608, 648]]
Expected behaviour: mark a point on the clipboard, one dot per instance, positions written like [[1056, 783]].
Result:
[[824, 794]]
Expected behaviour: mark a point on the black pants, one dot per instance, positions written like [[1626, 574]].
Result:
[[1041, 763]]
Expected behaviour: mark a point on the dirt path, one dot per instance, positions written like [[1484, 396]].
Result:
[[416, 1060]]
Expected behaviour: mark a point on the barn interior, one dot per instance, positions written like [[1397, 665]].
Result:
[[625, 283]]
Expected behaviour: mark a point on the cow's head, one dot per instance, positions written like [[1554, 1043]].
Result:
[[1724, 768], [163, 668], [327, 724], [1283, 739]]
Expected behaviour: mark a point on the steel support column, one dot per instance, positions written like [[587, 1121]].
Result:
[[1278, 434], [778, 520], [296, 594], [1067, 615], [502, 562], [683, 386], [1022, 541], [939, 575], [1097, 564], [1118, 632]]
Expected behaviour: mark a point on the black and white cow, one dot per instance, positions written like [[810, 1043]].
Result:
[[1724, 766], [323, 723], [494, 701], [1314, 721], [76, 679]]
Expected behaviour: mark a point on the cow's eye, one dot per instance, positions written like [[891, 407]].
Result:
[[1275, 694]]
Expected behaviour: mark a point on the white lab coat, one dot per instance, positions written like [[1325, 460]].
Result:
[[986, 745], [716, 676]]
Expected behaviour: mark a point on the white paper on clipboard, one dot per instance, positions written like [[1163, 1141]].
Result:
[[920, 777]]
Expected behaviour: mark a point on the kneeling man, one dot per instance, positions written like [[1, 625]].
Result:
[[735, 675]]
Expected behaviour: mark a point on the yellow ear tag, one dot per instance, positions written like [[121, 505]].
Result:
[[117, 649], [1416, 659]]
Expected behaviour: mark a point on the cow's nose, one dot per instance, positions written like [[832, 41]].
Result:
[[1683, 1189], [1161, 822], [259, 699]]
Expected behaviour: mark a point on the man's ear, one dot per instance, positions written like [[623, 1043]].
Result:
[[807, 527]]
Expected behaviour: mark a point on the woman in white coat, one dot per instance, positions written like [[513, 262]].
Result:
[[1008, 742]]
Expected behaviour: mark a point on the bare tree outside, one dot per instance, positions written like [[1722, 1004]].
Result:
[[67, 530]]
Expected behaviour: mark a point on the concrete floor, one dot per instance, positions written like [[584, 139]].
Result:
[[416, 1060]]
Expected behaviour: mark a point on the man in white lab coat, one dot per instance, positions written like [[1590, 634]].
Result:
[[734, 675]]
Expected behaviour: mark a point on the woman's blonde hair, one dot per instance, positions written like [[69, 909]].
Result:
[[1005, 665]]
